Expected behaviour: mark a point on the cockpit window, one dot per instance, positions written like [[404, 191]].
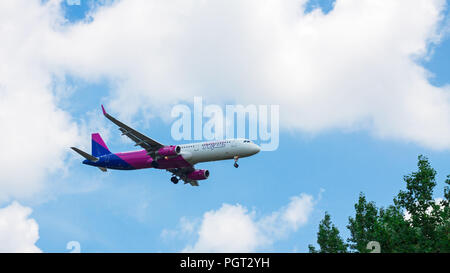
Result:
[[246, 141]]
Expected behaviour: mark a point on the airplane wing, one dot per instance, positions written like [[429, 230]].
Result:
[[182, 173], [150, 145], [193, 183]]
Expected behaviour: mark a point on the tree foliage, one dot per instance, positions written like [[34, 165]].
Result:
[[328, 238], [416, 222]]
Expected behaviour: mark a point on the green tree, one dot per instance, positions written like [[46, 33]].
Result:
[[328, 238], [443, 226], [396, 235], [428, 218], [416, 222], [447, 192], [385, 226], [365, 226]]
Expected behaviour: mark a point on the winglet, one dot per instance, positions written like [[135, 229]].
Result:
[[103, 109]]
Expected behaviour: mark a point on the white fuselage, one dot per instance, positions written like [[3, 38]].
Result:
[[218, 150]]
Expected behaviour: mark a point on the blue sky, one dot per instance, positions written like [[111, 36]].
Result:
[[129, 211]]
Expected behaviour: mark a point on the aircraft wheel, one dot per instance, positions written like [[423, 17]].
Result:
[[174, 180]]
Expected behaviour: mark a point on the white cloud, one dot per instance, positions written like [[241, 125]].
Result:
[[232, 228], [229, 229], [18, 232], [351, 69], [289, 218], [35, 133]]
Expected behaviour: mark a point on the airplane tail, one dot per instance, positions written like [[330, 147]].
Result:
[[99, 147]]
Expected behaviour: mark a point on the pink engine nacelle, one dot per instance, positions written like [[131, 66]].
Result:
[[198, 175], [169, 150]]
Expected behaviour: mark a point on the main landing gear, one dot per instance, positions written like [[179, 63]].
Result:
[[154, 164], [235, 162], [174, 179]]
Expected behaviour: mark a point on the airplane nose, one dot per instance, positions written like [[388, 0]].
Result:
[[256, 148]]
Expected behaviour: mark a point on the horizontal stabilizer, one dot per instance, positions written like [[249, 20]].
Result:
[[85, 155]]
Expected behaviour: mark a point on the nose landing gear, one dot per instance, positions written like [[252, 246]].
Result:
[[235, 162]]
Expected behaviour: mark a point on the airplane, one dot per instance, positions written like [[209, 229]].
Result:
[[177, 159]]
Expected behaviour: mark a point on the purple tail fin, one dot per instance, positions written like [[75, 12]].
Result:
[[99, 147]]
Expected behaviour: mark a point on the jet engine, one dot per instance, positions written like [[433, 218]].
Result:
[[169, 150], [198, 175]]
